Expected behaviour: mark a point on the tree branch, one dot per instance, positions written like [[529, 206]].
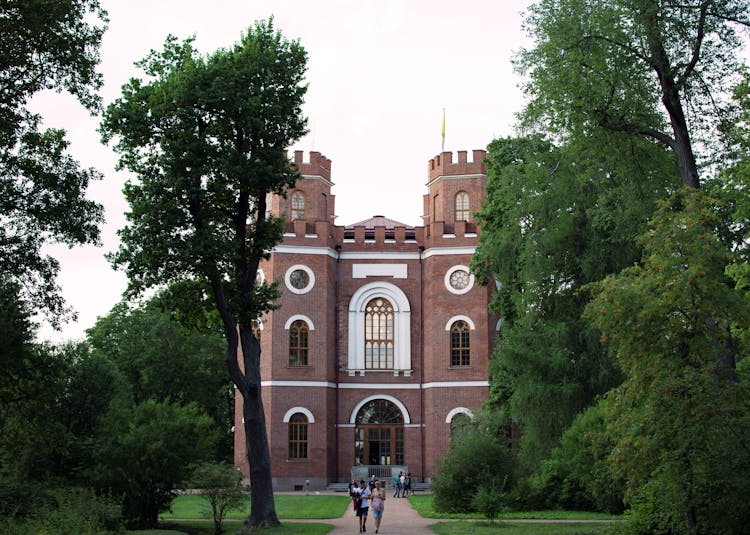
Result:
[[643, 130]]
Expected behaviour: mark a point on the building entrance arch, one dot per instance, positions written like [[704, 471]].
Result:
[[379, 434]]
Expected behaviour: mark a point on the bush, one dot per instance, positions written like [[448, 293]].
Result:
[[71, 512], [221, 486], [479, 460], [577, 475]]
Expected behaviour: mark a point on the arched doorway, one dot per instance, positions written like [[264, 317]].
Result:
[[379, 434]]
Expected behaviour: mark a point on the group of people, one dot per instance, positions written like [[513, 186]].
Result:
[[402, 485], [365, 497]]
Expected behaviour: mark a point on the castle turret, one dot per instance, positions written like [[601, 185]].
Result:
[[456, 191], [309, 202]]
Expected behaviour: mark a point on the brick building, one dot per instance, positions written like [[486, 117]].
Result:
[[381, 342]]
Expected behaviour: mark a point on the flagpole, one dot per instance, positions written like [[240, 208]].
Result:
[[442, 148]]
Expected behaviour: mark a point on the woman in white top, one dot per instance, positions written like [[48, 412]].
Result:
[[377, 504]]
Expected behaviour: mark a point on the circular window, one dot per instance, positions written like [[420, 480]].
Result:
[[299, 279], [459, 280]]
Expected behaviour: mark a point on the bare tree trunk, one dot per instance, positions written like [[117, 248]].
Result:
[[262, 507]]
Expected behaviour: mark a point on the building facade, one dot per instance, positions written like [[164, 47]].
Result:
[[380, 345]]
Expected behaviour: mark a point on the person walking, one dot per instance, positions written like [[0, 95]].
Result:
[[363, 504], [378, 504], [397, 485], [407, 485]]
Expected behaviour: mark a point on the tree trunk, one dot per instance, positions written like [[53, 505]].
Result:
[[670, 95], [262, 507]]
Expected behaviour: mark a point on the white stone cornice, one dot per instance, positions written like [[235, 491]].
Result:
[[441, 251]]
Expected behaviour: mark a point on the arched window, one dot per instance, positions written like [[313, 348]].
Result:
[[460, 344], [298, 343], [379, 335], [459, 427], [298, 205], [379, 434], [462, 206], [298, 436]]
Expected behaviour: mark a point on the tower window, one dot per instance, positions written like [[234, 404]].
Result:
[[298, 343], [298, 205], [462, 206], [379, 334], [298, 436], [460, 344]]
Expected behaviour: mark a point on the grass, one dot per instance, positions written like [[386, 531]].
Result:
[[287, 507], [505, 528], [232, 527], [424, 505]]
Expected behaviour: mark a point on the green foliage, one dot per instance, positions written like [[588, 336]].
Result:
[[488, 500], [47, 45], [206, 137], [160, 359], [221, 487], [479, 460], [556, 218], [635, 68], [148, 449], [508, 528], [67, 512], [683, 407], [577, 476]]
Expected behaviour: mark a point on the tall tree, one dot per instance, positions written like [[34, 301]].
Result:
[[680, 420], [206, 138], [557, 218], [643, 67], [46, 44]]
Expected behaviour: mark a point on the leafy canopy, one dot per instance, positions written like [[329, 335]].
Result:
[[206, 137], [46, 45], [654, 69]]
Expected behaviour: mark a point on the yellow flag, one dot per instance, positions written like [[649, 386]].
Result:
[[443, 132]]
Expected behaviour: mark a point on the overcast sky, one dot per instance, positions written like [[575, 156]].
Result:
[[380, 73]]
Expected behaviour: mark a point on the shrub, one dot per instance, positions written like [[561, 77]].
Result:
[[478, 460], [221, 486], [577, 475], [70, 512]]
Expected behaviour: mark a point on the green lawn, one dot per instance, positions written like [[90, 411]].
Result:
[[287, 506], [232, 527], [507, 528], [423, 504]]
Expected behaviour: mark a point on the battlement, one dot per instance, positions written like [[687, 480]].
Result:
[[318, 165], [442, 164]]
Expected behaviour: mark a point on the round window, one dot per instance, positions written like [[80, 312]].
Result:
[[459, 280], [299, 279]]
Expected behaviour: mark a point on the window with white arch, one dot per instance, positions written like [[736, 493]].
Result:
[[382, 307], [460, 420]]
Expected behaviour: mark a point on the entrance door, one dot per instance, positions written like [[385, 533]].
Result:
[[379, 434]]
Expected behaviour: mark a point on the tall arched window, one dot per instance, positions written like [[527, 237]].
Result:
[[460, 344], [298, 205], [298, 343], [462, 206], [379, 434], [379, 335], [459, 427], [298, 436]]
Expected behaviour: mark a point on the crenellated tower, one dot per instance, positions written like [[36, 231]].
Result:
[[455, 191], [309, 200]]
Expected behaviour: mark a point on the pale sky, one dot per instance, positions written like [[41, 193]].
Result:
[[380, 73]]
